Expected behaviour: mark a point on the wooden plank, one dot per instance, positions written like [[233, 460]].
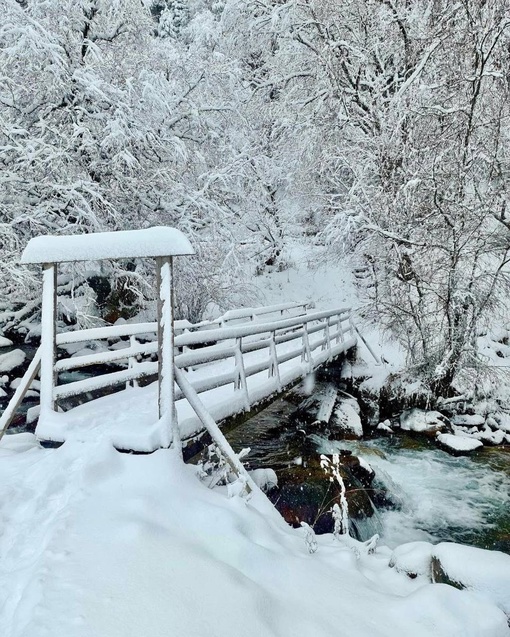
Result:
[[101, 358], [105, 380], [110, 331]]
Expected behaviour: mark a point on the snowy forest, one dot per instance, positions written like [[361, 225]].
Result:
[[290, 413], [377, 128]]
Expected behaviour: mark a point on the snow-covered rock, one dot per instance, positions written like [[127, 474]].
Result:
[[422, 421], [5, 342], [384, 427], [11, 360], [468, 420], [485, 572], [3, 393], [265, 479], [414, 559], [503, 421], [33, 414], [346, 418], [491, 437], [35, 384], [458, 445]]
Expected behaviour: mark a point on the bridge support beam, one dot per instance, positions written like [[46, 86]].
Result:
[[166, 376]]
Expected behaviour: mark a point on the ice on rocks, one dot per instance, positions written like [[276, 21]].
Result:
[[11, 360], [5, 342]]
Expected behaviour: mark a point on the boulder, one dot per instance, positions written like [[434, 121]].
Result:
[[11, 360], [468, 420], [346, 419], [414, 559], [470, 568], [458, 445], [385, 428], [422, 421]]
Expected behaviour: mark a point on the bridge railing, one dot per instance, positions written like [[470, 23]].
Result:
[[305, 334], [244, 350]]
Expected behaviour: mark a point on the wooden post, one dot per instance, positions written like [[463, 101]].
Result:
[[328, 336], [166, 391], [241, 382], [274, 370], [340, 333], [132, 362], [307, 354], [48, 338]]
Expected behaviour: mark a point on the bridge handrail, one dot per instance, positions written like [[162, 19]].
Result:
[[233, 346], [216, 344], [240, 331]]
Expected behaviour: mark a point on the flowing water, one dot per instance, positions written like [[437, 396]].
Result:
[[438, 496], [420, 492]]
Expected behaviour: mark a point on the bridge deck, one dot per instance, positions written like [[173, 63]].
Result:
[[129, 418]]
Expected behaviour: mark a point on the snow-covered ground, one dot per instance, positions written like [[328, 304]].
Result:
[[96, 543]]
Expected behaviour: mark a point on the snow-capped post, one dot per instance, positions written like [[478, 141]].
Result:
[[48, 337]]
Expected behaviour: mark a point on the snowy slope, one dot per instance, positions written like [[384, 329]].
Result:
[[101, 544]]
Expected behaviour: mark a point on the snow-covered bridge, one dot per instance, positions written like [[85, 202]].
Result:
[[206, 372]]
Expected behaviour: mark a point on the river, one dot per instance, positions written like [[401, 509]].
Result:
[[432, 495]]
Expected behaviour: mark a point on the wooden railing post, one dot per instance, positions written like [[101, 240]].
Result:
[[166, 390], [307, 354], [48, 338], [132, 362], [241, 382], [274, 370], [340, 333]]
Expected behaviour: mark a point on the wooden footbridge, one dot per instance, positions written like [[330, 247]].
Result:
[[205, 372]]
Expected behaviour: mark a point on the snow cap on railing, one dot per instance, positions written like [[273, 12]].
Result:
[[160, 241]]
